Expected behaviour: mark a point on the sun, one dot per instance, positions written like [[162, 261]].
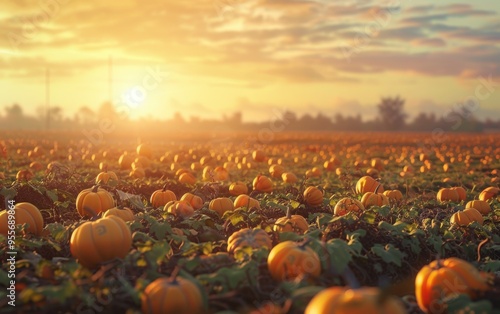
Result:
[[134, 97]]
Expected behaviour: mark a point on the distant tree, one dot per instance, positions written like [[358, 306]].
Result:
[[424, 122], [85, 115], [391, 112], [107, 111], [14, 112]]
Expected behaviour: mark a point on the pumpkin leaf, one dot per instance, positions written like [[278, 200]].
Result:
[[340, 256], [8, 193], [389, 253]]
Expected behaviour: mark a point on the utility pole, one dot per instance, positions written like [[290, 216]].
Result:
[[110, 79], [47, 98]]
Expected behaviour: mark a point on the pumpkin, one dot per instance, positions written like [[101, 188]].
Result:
[[289, 177], [365, 300], [221, 205], [36, 166], [262, 184], [99, 241], [370, 199], [179, 208], [276, 170], [254, 238], [187, 178], [346, 205], [172, 296], [462, 194], [313, 196], [258, 156], [181, 171], [162, 197], [194, 200], [481, 206], [220, 174], [246, 201], [442, 278], [289, 259], [368, 184], [124, 213], [137, 173], [24, 213], [372, 172], [105, 177], [377, 163], [489, 193], [466, 216], [91, 202], [315, 172], [141, 162], [237, 188], [291, 223], [448, 195], [394, 195], [144, 150], [24, 175]]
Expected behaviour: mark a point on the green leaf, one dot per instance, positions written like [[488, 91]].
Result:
[[340, 256], [52, 195], [160, 229], [461, 303], [58, 232], [389, 254], [369, 217], [294, 204], [8, 193], [383, 211], [289, 236]]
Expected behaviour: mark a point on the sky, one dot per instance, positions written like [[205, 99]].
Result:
[[207, 58]]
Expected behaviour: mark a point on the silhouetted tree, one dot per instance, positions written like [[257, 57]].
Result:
[[107, 111], [85, 115], [14, 112], [391, 113]]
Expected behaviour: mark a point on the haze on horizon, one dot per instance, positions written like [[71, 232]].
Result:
[[215, 57]]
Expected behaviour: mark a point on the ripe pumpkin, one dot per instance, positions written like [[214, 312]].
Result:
[[346, 205], [24, 175], [91, 202], [289, 177], [377, 163], [105, 177], [237, 188], [179, 208], [466, 216], [291, 223], [313, 196], [489, 193], [370, 199], [36, 166], [448, 195], [221, 205], [342, 300], [368, 184], [246, 201], [144, 150], [220, 174], [187, 178], [258, 156], [24, 213], [290, 259], [262, 184], [137, 173], [99, 241], [124, 213], [194, 200], [441, 278], [276, 170], [462, 194], [162, 197], [394, 195], [172, 296], [481, 206], [254, 238], [125, 161]]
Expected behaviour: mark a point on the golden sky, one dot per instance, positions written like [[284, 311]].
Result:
[[215, 57]]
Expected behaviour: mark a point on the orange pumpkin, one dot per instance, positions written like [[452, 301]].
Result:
[[262, 184], [291, 223], [365, 300], [489, 193], [105, 177], [394, 195], [179, 208], [137, 173], [258, 156], [368, 184], [172, 296], [481, 206], [220, 174], [276, 170], [377, 163], [237, 188], [466, 216], [162, 197], [290, 259], [246, 201], [462, 194], [442, 278], [194, 200], [289, 177], [187, 178], [24, 175], [124, 213], [221, 205], [254, 238], [346, 205], [91, 202], [448, 195], [144, 150], [99, 241], [370, 199], [24, 213], [36, 166], [313, 196]]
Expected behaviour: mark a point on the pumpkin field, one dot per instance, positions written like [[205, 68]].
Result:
[[304, 223]]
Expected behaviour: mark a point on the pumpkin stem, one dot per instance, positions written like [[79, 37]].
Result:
[[378, 186], [95, 188], [288, 212], [479, 248], [175, 273], [164, 187]]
